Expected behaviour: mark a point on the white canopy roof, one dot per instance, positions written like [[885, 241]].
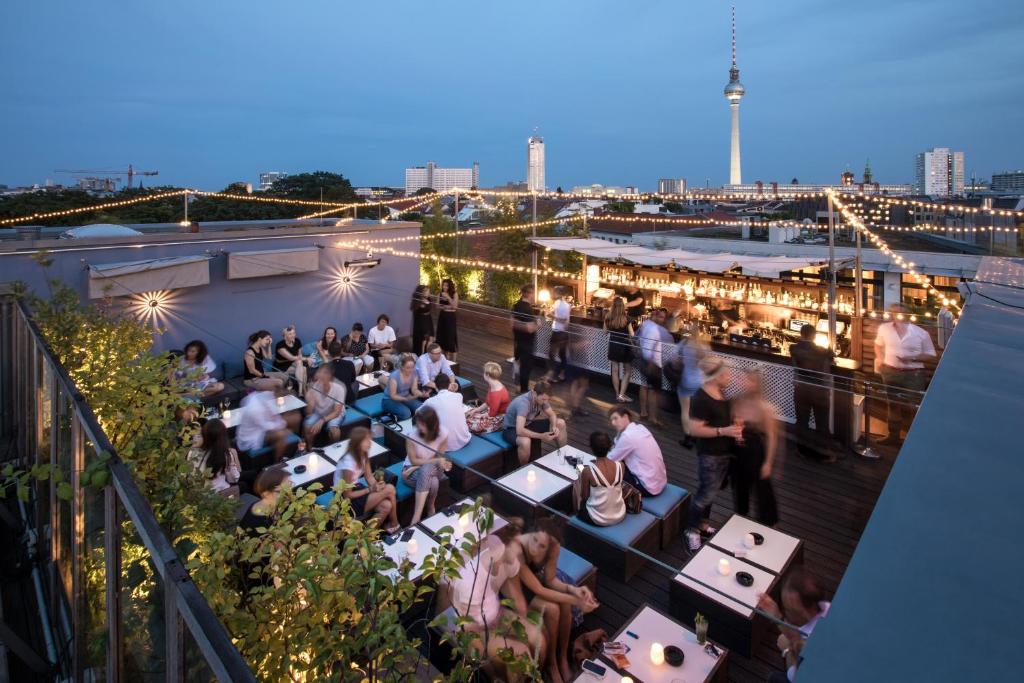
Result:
[[761, 266], [157, 274]]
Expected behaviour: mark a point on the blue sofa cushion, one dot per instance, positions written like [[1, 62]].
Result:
[[573, 565], [324, 499], [371, 406], [402, 490], [264, 450], [354, 417], [475, 452], [661, 504], [463, 383], [624, 534], [496, 438]]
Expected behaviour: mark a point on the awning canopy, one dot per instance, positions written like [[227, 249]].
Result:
[[152, 275], [761, 266], [246, 264]]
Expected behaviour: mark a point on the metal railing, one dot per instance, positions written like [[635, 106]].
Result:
[[117, 600]]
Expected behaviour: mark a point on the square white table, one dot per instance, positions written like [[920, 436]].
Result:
[[370, 380], [336, 451], [555, 461], [703, 567], [651, 626], [316, 468], [436, 522], [775, 554], [545, 484], [231, 418], [425, 545]]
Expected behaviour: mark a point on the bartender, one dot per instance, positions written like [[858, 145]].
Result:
[[726, 317], [636, 304]]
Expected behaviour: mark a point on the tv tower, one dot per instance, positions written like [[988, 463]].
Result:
[[734, 91]]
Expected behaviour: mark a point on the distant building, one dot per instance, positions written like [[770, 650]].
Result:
[[440, 179], [846, 180], [939, 172], [1008, 182], [377, 193], [599, 190], [672, 186], [776, 189], [91, 184], [511, 186], [535, 164], [269, 178]]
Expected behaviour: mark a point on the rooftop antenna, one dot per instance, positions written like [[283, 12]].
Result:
[[734, 37]]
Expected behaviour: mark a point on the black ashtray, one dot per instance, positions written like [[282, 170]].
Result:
[[758, 538], [674, 656], [744, 579], [299, 469]]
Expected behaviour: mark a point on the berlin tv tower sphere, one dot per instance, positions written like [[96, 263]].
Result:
[[735, 90]]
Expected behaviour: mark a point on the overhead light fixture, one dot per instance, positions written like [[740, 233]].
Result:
[[368, 262]]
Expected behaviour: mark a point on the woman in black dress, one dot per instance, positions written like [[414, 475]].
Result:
[[620, 347], [422, 323], [447, 333], [755, 452]]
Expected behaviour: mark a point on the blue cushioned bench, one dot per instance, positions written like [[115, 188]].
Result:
[[610, 547], [258, 458], [466, 388], [669, 507], [484, 457], [579, 570], [405, 494], [371, 406]]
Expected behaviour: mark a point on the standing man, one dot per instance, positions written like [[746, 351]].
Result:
[[712, 425], [636, 304], [654, 340], [558, 346], [810, 393], [900, 348], [524, 337]]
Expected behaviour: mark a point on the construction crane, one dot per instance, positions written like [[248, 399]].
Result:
[[131, 173]]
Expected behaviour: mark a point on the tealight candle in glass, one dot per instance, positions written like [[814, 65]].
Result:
[[280, 400], [531, 475], [657, 654], [723, 567], [412, 546]]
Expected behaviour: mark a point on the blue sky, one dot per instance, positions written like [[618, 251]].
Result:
[[215, 91]]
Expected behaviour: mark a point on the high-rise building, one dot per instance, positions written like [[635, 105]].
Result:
[[672, 186], [440, 179], [267, 179], [939, 172], [734, 92], [535, 164], [1008, 181]]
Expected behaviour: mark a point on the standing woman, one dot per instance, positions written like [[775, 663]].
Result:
[[425, 464], [447, 332], [377, 498], [422, 323], [323, 347], [755, 452], [620, 347], [258, 372]]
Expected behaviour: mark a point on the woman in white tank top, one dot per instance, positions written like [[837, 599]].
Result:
[[601, 486]]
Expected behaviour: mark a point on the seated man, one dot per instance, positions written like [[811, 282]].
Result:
[[636, 447], [355, 347], [530, 416], [803, 605], [381, 339], [344, 369], [262, 425], [432, 365], [325, 405], [451, 413]]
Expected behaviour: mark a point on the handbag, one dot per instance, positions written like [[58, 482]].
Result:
[[484, 424], [632, 498]]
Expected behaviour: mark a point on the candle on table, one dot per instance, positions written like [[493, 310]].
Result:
[[412, 546], [314, 459], [464, 521], [748, 541], [723, 567], [657, 654], [280, 400], [227, 414], [531, 475], [626, 679]]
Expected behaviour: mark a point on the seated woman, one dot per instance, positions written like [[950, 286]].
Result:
[[601, 486], [325, 406], [355, 347], [214, 455], [552, 593], [323, 347], [425, 464], [403, 390], [288, 356], [489, 417], [258, 372], [378, 498], [261, 513], [485, 579], [194, 371]]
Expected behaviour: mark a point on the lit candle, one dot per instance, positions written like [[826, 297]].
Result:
[[280, 400], [531, 475], [227, 414], [657, 654], [464, 521], [626, 679], [723, 567], [314, 459], [749, 541], [412, 546]]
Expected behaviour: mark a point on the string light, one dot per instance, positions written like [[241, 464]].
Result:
[[452, 260], [947, 208], [94, 207], [272, 200], [388, 202], [928, 227]]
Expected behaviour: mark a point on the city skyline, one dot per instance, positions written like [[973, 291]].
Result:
[[863, 81]]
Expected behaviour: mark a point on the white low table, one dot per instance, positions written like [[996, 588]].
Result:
[[651, 626], [336, 451], [425, 545], [728, 605], [518, 494], [232, 418], [370, 380], [434, 523], [774, 555], [317, 468], [555, 461]]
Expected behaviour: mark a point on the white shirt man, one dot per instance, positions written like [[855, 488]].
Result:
[[560, 314], [636, 447], [430, 365], [259, 416], [902, 346], [451, 413], [379, 337], [653, 336]]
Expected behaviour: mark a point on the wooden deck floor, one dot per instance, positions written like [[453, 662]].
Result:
[[826, 505]]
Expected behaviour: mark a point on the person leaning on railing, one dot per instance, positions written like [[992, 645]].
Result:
[[900, 348]]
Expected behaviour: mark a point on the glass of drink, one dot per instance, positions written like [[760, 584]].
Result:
[[700, 625]]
